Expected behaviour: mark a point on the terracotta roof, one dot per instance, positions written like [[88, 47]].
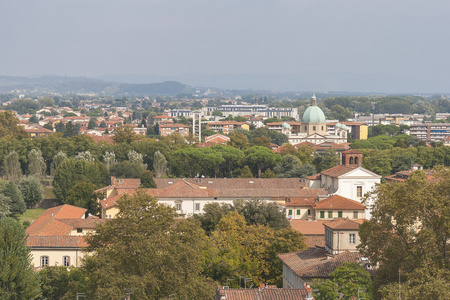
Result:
[[173, 126], [313, 241], [261, 294], [227, 123], [162, 117], [335, 146], [337, 171], [53, 227], [56, 241], [88, 223], [304, 144], [300, 201], [37, 129], [236, 183], [342, 224], [204, 145], [352, 151], [306, 227], [316, 263], [339, 202], [314, 177]]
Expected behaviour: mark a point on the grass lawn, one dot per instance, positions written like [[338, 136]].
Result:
[[48, 192], [31, 214]]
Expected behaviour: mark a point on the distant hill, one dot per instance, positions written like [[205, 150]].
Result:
[[77, 85]]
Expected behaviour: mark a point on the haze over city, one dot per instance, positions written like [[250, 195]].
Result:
[[349, 45]]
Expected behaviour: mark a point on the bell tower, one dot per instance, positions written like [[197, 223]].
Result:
[[352, 158]]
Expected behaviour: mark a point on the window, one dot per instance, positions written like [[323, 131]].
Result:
[[355, 215], [351, 238], [322, 214], [351, 160], [290, 212], [44, 261], [79, 230], [305, 127], [178, 206], [330, 214], [309, 212], [322, 127], [314, 128], [339, 214], [298, 212], [66, 261], [197, 206], [359, 191]]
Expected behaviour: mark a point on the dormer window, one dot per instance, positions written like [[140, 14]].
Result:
[[79, 230]]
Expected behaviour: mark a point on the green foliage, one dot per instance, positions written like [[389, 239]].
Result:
[[17, 278], [16, 203], [238, 249], [268, 173], [409, 226], [325, 160], [82, 195], [72, 171], [291, 167], [4, 206], [31, 190], [56, 161], [261, 158], [238, 139], [36, 164], [339, 112], [62, 282], [349, 280], [160, 164], [427, 282], [147, 181], [245, 172], [11, 166], [9, 126], [147, 249], [254, 211]]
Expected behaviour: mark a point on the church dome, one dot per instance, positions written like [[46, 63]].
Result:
[[313, 114], [286, 126], [338, 125]]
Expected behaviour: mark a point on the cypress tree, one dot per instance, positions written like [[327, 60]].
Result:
[[17, 278], [16, 203]]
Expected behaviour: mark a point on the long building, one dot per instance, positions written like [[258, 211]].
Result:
[[430, 132]]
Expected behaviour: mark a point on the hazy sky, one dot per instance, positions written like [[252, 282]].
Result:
[[404, 38]]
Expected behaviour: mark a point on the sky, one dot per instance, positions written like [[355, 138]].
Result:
[[285, 44]]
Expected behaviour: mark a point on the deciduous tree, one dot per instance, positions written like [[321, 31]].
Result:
[[31, 190], [11, 167], [147, 249], [36, 164]]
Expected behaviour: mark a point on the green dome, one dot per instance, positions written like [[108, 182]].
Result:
[[286, 125], [313, 114]]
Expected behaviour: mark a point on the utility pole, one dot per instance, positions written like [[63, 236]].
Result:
[[373, 113]]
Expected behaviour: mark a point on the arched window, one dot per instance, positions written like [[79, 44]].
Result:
[[44, 261], [314, 128], [356, 160], [351, 160], [66, 261]]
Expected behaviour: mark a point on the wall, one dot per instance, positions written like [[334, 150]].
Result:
[[55, 256]]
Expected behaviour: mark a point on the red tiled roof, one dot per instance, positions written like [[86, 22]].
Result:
[[306, 227], [173, 126], [337, 171], [342, 224], [339, 202], [352, 151], [315, 241], [300, 201], [261, 294], [56, 241], [204, 145], [316, 263]]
